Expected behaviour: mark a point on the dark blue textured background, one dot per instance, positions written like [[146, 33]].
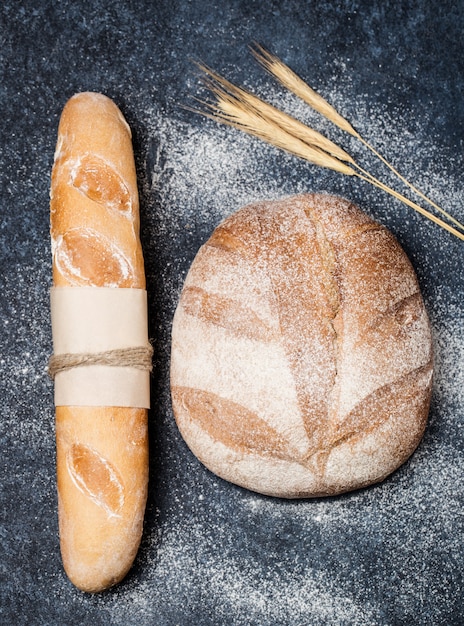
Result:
[[213, 553]]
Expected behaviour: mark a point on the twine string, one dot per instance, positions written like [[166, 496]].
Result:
[[139, 357]]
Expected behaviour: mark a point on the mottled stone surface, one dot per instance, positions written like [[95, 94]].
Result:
[[213, 553]]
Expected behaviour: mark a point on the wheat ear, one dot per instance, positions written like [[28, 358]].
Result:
[[238, 108]]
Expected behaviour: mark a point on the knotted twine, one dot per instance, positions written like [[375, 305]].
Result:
[[139, 357]]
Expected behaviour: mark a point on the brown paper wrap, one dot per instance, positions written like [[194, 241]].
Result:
[[88, 320]]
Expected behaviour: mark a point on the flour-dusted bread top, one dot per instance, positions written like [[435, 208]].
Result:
[[301, 350]]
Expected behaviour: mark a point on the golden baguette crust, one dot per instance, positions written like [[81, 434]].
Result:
[[94, 201], [102, 452], [301, 350]]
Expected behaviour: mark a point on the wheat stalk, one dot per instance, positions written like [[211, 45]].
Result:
[[300, 88], [240, 109]]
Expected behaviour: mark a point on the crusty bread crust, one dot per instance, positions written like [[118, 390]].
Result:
[[102, 452], [94, 200], [301, 350]]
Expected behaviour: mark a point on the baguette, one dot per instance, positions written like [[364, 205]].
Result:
[[101, 451], [301, 350]]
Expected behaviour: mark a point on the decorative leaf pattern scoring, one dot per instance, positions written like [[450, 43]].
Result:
[[230, 423]]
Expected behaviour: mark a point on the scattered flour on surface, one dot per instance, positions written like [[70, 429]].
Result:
[[394, 547]]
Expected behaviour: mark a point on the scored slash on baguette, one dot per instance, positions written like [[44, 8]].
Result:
[[301, 350], [95, 477]]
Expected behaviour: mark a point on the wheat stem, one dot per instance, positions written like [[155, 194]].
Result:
[[410, 185], [377, 183]]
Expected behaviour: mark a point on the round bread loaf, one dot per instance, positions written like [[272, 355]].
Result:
[[301, 350]]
